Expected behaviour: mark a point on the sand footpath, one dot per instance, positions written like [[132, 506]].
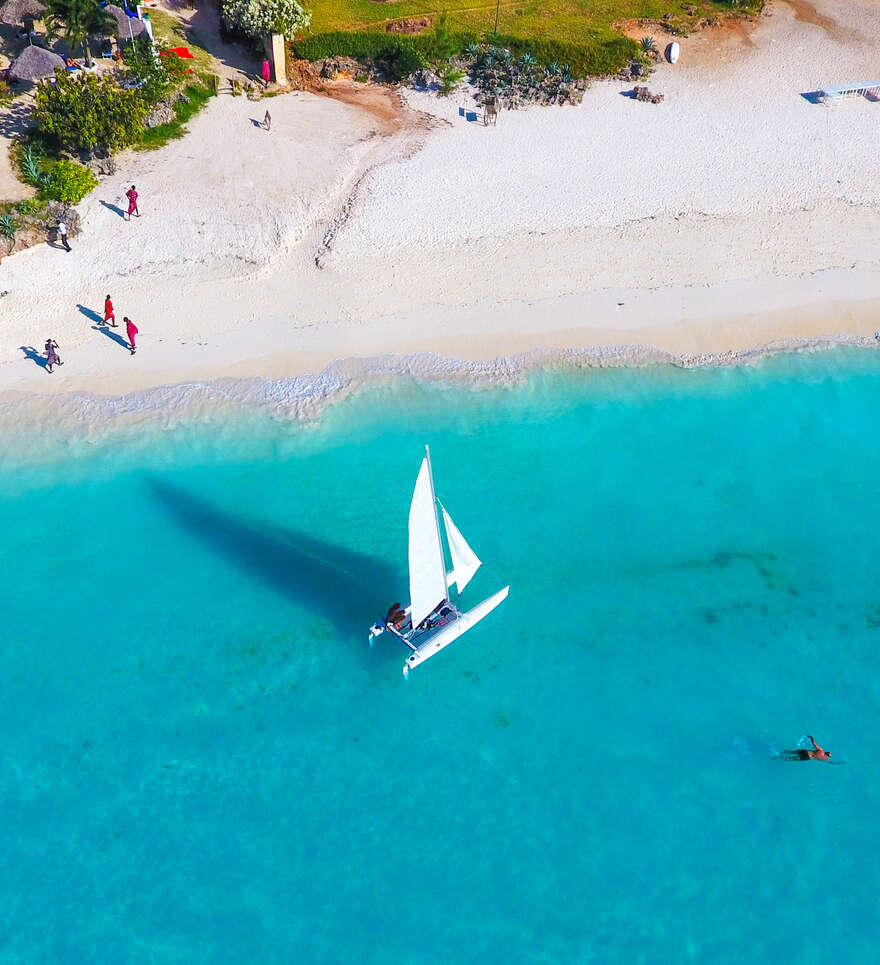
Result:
[[736, 214]]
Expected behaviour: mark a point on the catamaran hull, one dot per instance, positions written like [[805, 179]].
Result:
[[452, 631]]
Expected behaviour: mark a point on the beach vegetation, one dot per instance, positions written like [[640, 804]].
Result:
[[501, 78], [31, 163], [259, 18], [77, 20], [153, 77], [396, 55], [449, 80], [169, 32], [68, 181], [84, 112], [55, 179], [445, 45], [195, 97], [585, 34], [8, 226], [648, 45], [29, 206]]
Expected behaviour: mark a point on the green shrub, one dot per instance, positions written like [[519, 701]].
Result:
[[88, 112], [68, 181], [155, 77], [398, 55], [29, 206], [32, 163], [7, 226], [586, 59], [257, 18], [445, 45], [448, 80]]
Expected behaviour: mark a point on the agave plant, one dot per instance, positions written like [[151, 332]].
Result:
[[472, 50], [7, 226], [565, 74], [30, 166], [553, 68], [527, 61], [648, 45]]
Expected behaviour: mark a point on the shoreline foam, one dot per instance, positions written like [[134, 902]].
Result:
[[42, 421]]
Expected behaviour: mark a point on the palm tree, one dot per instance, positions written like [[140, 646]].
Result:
[[76, 19]]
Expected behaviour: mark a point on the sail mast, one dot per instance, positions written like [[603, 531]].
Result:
[[437, 523]]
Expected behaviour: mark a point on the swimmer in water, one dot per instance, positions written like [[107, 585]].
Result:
[[806, 754]]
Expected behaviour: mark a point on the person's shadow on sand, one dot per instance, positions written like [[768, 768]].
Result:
[[31, 353], [114, 208], [113, 335], [92, 316]]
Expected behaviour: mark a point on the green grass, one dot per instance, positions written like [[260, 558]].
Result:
[[581, 33], [169, 32], [154, 137]]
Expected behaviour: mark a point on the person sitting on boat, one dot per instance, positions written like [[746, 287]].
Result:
[[817, 753], [396, 616]]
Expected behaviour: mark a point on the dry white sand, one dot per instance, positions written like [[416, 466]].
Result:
[[735, 214]]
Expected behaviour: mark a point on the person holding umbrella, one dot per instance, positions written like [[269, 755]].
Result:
[[52, 358]]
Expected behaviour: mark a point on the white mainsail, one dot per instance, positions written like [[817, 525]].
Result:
[[427, 570], [465, 561]]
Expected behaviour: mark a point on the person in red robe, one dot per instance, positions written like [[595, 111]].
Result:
[[132, 196], [131, 331]]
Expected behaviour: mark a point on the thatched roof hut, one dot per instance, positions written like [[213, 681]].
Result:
[[35, 63], [126, 27], [16, 12]]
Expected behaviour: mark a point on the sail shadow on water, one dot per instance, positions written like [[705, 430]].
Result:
[[338, 583]]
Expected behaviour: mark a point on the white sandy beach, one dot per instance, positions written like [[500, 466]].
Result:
[[737, 214]]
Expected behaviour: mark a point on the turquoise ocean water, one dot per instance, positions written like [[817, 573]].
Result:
[[201, 759]]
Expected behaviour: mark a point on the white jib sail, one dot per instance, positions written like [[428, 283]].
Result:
[[427, 571], [465, 561]]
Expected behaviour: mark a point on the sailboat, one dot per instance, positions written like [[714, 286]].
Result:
[[432, 620]]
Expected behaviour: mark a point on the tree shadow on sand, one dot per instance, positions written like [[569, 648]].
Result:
[[342, 585]]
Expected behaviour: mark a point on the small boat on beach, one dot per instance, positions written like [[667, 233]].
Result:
[[673, 52], [432, 620]]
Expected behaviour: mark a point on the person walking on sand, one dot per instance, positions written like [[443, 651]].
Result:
[[62, 234], [52, 358], [806, 754], [131, 331], [132, 196], [109, 314], [267, 121]]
